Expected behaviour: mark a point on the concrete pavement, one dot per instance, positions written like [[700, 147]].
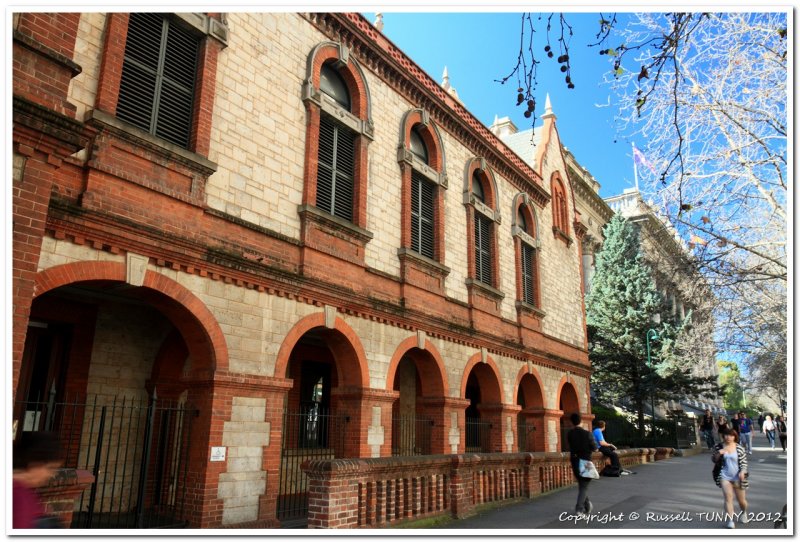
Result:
[[678, 493]]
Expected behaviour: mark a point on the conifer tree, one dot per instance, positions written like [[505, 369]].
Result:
[[620, 310]]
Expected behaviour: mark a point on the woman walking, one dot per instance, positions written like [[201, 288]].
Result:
[[768, 428], [581, 445], [730, 474]]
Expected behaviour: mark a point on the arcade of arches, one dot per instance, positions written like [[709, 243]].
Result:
[[342, 386]]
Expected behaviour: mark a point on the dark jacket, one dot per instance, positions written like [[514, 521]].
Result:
[[581, 445]]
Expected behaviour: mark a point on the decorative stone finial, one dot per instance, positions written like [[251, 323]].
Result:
[[379, 21]]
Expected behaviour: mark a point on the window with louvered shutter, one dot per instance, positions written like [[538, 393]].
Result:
[[336, 167], [483, 261], [158, 77], [528, 277], [422, 195]]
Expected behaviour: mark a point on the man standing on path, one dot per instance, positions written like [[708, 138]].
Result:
[[746, 432], [707, 429], [581, 445], [606, 448]]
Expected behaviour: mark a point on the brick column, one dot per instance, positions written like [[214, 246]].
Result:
[[552, 429], [447, 413], [461, 488], [214, 401], [333, 491], [364, 407]]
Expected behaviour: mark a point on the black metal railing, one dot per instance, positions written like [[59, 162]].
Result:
[[674, 432], [477, 435], [411, 435], [308, 433], [135, 448], [525, 437]]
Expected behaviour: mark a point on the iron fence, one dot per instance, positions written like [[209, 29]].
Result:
[[311, 432], [411, 435], [477, 435], [135, 448]]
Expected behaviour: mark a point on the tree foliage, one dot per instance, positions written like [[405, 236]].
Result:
[[619, 316], [715, 122], [707, 92]]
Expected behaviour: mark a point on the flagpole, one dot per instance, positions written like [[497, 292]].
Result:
[[635, 172]]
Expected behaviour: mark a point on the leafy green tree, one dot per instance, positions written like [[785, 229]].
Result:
[[730, 380], [619, 314]]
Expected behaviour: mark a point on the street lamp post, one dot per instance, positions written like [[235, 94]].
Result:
[[652, 335]]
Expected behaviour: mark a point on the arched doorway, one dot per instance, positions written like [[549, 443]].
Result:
[[568, 404], [419, 383], [482, 425], [321, 414], [106, 366], [530, 420]]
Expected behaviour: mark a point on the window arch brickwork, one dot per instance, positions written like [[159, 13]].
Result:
[[560, 208], [483, 219], [422, 216], [332, 229]]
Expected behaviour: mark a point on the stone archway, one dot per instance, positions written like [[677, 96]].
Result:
[[483, 431]]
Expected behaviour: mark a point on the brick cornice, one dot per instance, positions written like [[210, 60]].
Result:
[[384, 58], [46, 130], [47, 52]]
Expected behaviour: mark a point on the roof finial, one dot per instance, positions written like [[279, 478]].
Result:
[[548, 108], [379, 21], [445, 79]]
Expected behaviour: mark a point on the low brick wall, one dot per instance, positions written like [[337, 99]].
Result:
[[357, 493], [64, 489]]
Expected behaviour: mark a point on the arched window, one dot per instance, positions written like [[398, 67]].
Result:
[[421, 160], [339, 128], [526, 244], [336, 157], [560, 214], [482, 219]]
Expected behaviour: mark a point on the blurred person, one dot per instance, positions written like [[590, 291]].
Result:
[[780, 429], [768, 428], [746, 432], [36, 458]]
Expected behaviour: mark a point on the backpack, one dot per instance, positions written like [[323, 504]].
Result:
[[609, 470]]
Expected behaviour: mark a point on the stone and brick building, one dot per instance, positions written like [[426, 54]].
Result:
[[675, 274], [278, 225]]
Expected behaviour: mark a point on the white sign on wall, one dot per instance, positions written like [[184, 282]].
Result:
[[218, 453]]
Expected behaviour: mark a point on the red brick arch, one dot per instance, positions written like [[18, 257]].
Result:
[[488, 376], [528, 387], [430, 135], [198, 326], [348, 69], [430, 367], [567, 392], [351, 361]]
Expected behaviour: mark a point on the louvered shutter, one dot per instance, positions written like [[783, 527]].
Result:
[[483, 262], [158, 77], [528, 267], [422, 196], [335, 169]]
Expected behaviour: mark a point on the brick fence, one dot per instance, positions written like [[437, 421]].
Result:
[[356, 493]]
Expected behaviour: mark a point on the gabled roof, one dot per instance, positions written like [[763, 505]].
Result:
[[524, 144]]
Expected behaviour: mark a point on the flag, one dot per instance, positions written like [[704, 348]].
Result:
[[697, 240], [640, 158]]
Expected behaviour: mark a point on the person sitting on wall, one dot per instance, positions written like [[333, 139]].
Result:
[[607, 449]]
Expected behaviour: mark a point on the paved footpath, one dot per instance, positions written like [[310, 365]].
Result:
[[677, 493]]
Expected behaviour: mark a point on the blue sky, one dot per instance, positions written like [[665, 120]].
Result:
[[479, 48]]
